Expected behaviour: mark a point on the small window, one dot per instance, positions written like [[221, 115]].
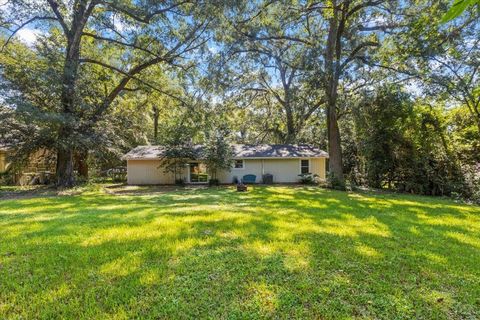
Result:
[[238, 164], [304, 166]]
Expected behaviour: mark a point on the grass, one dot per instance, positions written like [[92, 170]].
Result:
[[274, 252]]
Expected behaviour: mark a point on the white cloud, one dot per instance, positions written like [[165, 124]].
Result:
[[213, 49], [27, 36]]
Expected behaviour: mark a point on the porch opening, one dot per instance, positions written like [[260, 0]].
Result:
[[197, 173]]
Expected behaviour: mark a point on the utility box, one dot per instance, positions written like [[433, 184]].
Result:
[[267, 178]]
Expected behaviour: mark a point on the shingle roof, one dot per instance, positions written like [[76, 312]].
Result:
[[277, 151], [240, 151], [145, 153]]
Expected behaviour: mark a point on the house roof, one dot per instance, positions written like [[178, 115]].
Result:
[[145, 153], [240, 151], [277, 151]]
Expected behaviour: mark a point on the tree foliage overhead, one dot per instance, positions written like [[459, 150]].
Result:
[[390, 88], [105, 49]]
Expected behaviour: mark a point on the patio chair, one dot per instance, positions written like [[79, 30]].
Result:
[[249, 178]]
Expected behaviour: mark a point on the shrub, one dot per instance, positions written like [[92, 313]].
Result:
[[180, 182], [217, 153], [308, 178], [334, 182], [213, 182]]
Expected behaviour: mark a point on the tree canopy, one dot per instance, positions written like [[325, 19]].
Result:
[[389, 88]]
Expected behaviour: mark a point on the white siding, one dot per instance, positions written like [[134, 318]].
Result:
[[317, 166], [283, 171], [249, 167], [147, 172], [3, 161]]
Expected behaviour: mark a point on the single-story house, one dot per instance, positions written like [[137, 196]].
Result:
[[284, 161]]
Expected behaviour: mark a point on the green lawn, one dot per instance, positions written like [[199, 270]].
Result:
[[274, 252]]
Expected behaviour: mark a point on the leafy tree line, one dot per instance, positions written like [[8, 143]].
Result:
[[403, 144], [102, 49], [389, 88]]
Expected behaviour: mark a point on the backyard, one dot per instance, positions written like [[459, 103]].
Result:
[[273, 252]]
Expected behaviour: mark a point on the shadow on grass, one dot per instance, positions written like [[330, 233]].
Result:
[[272, 252]]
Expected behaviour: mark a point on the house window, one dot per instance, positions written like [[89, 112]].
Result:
[[304, 166], [238, 164]]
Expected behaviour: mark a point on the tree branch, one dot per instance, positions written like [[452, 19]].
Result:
[[146, 18], [275, 37], [121, 43], [364, 5], [380, 27], [23, 25], [128, 75], [54, 5], [354, 52]]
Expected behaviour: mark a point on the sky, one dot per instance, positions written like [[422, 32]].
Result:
[[27, 36]]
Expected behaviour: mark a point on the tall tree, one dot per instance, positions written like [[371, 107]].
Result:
[[443, 58], [267, 58], [352, 31], [148, 34]]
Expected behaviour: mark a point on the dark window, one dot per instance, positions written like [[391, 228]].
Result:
[[304, 166], [238, 164]]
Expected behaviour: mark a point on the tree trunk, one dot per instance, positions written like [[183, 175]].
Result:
[[66, 132], [332, 74], [472, 106], [478, 125], [81, 160], [291, 135], [65, 176], [156, 114], [334, 147]]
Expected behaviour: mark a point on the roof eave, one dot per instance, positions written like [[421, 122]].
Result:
[[260, 158], [237, 158]]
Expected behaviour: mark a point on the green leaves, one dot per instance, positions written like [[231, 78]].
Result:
[[458, 7]]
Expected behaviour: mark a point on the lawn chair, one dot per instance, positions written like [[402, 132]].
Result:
[[249, 178]]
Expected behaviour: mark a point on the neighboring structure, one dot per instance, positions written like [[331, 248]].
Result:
[[284, 162], [40, 167], [3, 159]]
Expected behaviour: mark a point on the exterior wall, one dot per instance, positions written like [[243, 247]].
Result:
[[41, 160], [39, 168], [147, 172], [3, 161], [318, 166], [253, 166], [283, 170]]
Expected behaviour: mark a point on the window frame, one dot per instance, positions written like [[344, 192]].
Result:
[[301, 166], [235, 164]]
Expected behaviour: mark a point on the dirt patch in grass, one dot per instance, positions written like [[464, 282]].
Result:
[[132, 190], [36, 191], [129, 190], [25, 192]]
